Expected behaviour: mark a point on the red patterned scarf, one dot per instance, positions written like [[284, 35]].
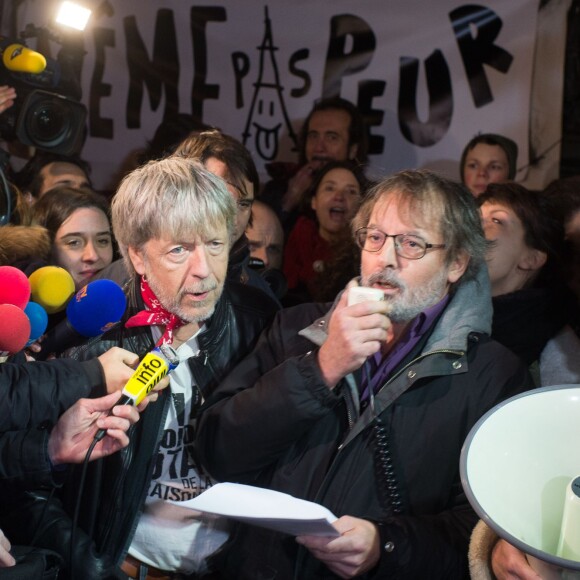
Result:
[[155, 314]]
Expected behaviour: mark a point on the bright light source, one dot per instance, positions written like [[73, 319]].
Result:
[[73, 15]]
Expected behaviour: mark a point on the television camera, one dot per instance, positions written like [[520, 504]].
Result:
[[47, 113]]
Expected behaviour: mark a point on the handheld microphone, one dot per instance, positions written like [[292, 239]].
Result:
[[358, 294], [14, 287], [19, 58], [38, 320], [15, 330], [51, 287], [94, 309], [153, 367]]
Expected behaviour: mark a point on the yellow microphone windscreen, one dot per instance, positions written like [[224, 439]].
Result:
[[19, 58], [51, 287]]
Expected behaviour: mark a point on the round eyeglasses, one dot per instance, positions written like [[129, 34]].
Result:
[[406, 245]]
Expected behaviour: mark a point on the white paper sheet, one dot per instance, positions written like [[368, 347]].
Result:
[[266, 508]]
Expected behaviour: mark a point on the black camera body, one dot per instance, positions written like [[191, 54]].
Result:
[[47, 113]]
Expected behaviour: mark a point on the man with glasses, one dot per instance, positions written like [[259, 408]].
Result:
[[364, 409]]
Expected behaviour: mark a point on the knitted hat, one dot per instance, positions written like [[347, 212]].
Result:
[[510, 148]]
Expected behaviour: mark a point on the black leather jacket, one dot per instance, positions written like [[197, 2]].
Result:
[[115, 487]]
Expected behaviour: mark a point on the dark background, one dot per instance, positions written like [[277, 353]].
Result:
[[570, 157]]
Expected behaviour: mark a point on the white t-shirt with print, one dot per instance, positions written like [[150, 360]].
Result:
[[168, 536]]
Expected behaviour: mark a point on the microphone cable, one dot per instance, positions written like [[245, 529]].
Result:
[[99, 435], [77, 508]]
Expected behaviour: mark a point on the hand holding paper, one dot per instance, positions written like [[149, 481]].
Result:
[[355, 552]]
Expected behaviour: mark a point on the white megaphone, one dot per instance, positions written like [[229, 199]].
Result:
[[519, 468]]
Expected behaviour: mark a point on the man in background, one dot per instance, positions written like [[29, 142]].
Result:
[[46, 170], [333, 130], [265, 236]]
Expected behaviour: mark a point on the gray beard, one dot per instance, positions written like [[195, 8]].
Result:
[[173, 303], [409, 302]]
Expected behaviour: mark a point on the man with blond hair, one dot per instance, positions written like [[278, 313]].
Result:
[[174, 222]]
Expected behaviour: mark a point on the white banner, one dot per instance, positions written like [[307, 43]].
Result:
[[427, 75]]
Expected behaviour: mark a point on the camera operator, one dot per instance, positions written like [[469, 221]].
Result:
[[46, 170]]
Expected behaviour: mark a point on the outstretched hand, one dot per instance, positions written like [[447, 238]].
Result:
[[118, 365]]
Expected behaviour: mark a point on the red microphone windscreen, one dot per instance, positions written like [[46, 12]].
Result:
[[15, 329], [14, 287]]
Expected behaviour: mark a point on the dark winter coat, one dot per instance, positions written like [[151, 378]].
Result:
[[274, 423]]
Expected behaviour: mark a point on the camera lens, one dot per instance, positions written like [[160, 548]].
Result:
[[51, 122], [47, 124]]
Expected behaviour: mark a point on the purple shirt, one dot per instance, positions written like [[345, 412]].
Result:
[[381, 368]]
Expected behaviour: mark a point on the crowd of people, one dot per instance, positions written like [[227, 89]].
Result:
[[284, 382]]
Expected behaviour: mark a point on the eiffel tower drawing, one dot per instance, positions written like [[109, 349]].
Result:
[[267, 113]]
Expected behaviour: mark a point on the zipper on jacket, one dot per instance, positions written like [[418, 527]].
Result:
[[352, 408]]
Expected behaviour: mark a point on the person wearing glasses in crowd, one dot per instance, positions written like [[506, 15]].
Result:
[[364, 407]]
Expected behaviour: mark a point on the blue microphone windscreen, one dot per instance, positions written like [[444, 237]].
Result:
[[38, 320], [96, 307]]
